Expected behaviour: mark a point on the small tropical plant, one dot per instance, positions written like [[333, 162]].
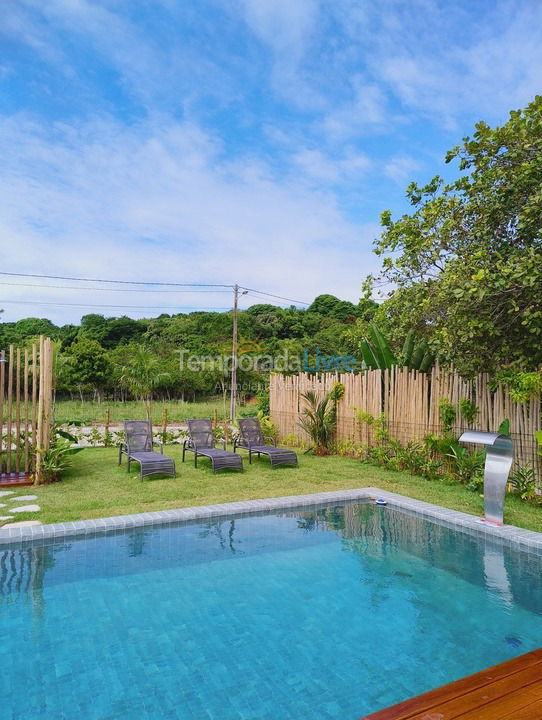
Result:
[[467, 465], [57, 459], [504, 427], [523, 482], [448, 415], [468, 410], [319, 418], [269, 429]]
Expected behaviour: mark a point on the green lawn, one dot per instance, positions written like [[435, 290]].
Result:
[[95, 487], [178, 411]]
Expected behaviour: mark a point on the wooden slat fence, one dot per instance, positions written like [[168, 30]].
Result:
[[409, 400], [26, 391]]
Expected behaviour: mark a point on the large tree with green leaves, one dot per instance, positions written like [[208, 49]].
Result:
[[466, 263]]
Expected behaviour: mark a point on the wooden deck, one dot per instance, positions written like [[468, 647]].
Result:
[[15, 480], [510, 691]]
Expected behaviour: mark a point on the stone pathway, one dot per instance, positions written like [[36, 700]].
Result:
[[13, 507]]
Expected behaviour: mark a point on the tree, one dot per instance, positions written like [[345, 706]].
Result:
[[87, 365], [467, 262], [333, 307], [141, 376]]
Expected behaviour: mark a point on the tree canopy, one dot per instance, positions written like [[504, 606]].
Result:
[[465, 264]]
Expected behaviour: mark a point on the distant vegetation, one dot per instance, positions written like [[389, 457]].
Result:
[[118, 357]]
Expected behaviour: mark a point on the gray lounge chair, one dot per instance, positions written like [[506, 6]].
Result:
[[252, 439], [138, 446], [201, 443]]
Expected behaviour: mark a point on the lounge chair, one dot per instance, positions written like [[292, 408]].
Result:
[[201, 443], [252, 439], [138, 446]]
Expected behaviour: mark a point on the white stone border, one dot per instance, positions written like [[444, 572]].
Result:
[[462, 522]]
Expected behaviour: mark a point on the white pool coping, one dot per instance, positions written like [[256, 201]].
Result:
[[525, 540]]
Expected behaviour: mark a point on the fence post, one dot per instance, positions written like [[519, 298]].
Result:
[[2, 384], [164, 426], [10, 401]]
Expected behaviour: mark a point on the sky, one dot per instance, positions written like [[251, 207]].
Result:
[[224, 141]]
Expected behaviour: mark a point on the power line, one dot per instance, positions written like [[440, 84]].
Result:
[[101, 289], [133, 307], [263, 293], [115, 282], [280, 297], [261, 297]]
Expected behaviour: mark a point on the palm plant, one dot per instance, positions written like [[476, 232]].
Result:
[[141, 376], [319, 418]]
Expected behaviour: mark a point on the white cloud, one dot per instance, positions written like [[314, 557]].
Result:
[[401, 168], [328, 169], [367, 109], [453, 64], [283, 25], [162, 202]]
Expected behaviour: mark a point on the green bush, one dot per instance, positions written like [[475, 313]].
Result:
[[523, 482]]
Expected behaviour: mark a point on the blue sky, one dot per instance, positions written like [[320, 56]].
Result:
[[250, 141]]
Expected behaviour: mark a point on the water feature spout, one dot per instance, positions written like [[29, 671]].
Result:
[[499, 456]]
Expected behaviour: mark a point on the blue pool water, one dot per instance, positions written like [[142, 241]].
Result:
[[328, 613]]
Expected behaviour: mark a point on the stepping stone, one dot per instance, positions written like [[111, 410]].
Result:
[[3, 493], [6, 517], [25, 508], [23, 497], [25, 523], [3, 505]]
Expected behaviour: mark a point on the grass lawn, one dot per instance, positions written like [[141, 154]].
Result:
[[177, 410], [96, 487]]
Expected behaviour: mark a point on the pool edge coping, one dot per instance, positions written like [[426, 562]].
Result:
[[455, 519]]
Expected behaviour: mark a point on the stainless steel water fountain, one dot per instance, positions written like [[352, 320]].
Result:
[[499, 456]]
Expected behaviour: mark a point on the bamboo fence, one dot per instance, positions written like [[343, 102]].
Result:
[[409, 401], [26, 392]]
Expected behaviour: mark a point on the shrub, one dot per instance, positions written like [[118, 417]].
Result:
[[448, 414], [319, 418], [468, 410], [467, 465], [523, 482]]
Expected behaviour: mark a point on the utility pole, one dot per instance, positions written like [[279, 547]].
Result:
[[233, 396]]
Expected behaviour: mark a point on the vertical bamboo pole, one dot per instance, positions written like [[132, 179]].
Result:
[[10, 403], [26, 468], [107, 423], [2, 388], [39, 436], [35, 377], [48, 392], [18, 411], [164, 426]]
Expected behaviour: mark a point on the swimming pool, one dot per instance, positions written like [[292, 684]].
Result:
[[325, 612]]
